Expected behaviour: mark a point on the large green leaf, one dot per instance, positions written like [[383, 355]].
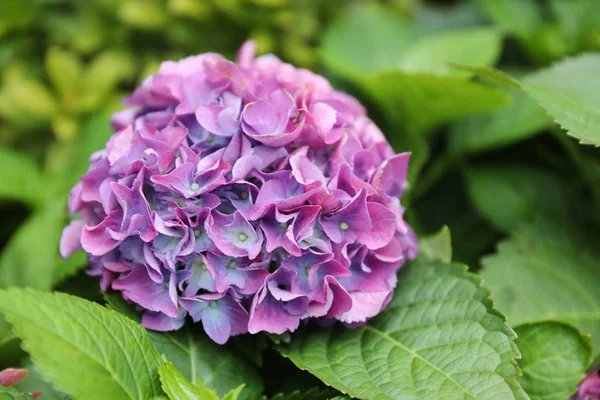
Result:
[[524, 118], [30, 256], [509, 195], [200, 359], [21, 178], [88, 351], [420, 101], [367, 40], [547, 271], [431, 53], [570, 91], [555, 357], [370, 39], [177, 387], [438, 338]]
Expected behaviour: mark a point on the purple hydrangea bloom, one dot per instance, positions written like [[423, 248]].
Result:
[[589, 388], [250, 196]]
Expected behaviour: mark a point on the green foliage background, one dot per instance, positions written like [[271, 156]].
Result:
[[499, 103]]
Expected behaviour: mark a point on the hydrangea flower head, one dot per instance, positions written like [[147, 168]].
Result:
[[250, 196]]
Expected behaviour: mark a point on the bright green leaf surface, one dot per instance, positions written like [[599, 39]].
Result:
[[177, 387], [570, 91], [547, 271], [437, 247], [20, 178], [88, 351], [523, 119], [438, 338], [200, 359], [509, 195], [421, 102], [555, 357], [475, 46]]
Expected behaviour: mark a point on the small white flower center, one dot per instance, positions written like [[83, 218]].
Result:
[[242, 237], [344, 226], [194, 186]]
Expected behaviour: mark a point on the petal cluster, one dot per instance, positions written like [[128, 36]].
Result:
[[248, 196]]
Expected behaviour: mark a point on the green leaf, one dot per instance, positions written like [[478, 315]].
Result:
[[177, 387], [10, 393], [438, 338], [370, 39], [366, 40], [19, 265], [421, 102], [570, 92], [510, 194], [555, 357], [436, 247], [27, 102], [21, 178], [200, 359], [88, 351], [435, 18], [63, 69], [99, 79], [578, 22], [522, 18], [547, 271], [233, 394], [523, 119], [431, 53], [315, 393]]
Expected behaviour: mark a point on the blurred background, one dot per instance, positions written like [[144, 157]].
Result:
[[484, 158]]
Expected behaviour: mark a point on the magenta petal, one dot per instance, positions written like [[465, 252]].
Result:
[[158, 321], [70, 241], [269, 315], [365, 305], [391, 175], [384, 227], [97, 240]]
